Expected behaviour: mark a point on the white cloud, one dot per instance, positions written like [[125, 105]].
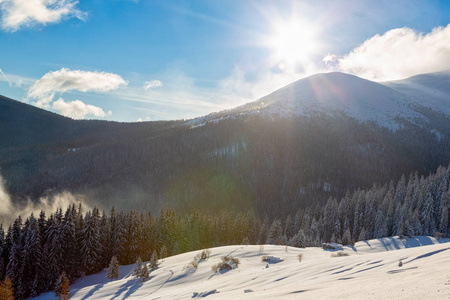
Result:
[[65, 80], [397, 54], [26, 13], [152, 84], [77, 109], [7, 79]]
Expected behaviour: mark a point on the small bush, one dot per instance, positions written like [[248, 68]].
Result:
[[193, 264], [205, 254], [231, 258], [339, 254], [215, 268], [226, 264], [300, 256]]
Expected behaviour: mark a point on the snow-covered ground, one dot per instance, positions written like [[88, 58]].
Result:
[[370, 271]]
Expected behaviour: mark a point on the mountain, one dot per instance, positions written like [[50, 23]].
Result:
[[316, 138], [373, 264], [332, 93], [430, 90]]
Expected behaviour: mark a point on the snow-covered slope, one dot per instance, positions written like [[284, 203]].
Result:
[[370, 271], [430, 90], [329, 93]]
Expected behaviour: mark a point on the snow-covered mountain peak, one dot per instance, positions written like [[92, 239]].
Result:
[[430, 90], [329, 93]]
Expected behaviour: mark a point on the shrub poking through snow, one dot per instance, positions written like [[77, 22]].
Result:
[[215, 268], [400, 263], [228, 263], [193, 264], [300, 257], [339, 254], [204, 255]]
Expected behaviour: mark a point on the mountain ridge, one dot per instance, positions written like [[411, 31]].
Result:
[[330, 93], [430, 89]]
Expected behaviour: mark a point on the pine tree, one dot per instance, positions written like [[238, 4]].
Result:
[[154, 261], [264, 231], [444, 217], [91, 248], [362, 235], [70, 246], [65, 289], [163, 252], [145, 273], [289, 227], [105, 240], [113, 270], [53, 250], [275, 235], [347, 238], [380, 225], [6, 289], [314, 234], [427, 216], [32, 256], [14, 268], [62, 287], [138, 267], [298, 240]]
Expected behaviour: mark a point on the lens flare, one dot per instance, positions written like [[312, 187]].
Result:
[[293, 42]]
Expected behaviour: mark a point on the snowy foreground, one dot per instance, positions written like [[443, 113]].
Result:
[[371, 271]]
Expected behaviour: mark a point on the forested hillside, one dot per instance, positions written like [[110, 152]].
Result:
[[35, 251], [273, 165]]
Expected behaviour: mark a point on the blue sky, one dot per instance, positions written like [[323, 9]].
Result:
[[129, 60]]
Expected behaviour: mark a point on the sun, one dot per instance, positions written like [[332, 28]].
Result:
[[293, 42]]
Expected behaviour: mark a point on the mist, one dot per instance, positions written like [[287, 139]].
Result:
[[9, 211]]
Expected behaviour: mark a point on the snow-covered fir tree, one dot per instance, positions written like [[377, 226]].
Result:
[[113, 269]]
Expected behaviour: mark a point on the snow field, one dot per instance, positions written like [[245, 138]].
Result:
[[370, 271]]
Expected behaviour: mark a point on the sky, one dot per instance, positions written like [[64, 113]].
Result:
[[144, 60]]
